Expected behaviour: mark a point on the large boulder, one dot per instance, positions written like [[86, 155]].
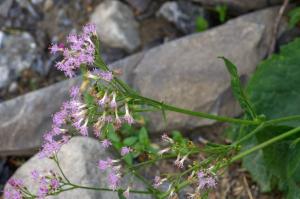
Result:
[[240, 6], [184, 72], [116, 25], [78, 160], [188, 74]]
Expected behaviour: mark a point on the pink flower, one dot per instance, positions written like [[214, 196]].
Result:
[[35, 175], [80, 51], [158, 181], [103, 101], [179, 161], [105, 164], [114, 180], [127, 117], [106, 143], [113, 103], [125, 150], [206, 181], [75, 92]]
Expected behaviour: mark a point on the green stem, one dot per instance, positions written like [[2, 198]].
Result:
[[59, 167], [107, 189], [249, 135], [194, 113], [265, 144]]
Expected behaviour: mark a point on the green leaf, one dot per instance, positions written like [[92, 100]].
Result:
[[238, 90], [294, 15], [128, 158], [222, 12], [201, 24], [143, 137], [111, 134], [130, 141], [120, 194], [275, 92], [274, 88]]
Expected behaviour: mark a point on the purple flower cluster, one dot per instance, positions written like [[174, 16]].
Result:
[[99, 74], [73, 111], [125, 150], [114, 175], [81, 50], [56, 137], [14, 189], [206, 181], [48, 184]]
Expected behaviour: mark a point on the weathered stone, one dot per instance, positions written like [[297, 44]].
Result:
[[4, 7], [116, 25], [182, 14], [240, 6], [17, 53], [24, 119], [78, 159], [184, 72], [139, 5], [187, 73]]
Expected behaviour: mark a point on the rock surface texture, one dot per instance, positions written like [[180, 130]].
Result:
[[78, 159], [116, 25], [240, 6], [185, 72], [17, 53]]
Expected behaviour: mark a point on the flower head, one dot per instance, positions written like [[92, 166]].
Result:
[[206, 181], [114, 180], [125, 150], [80, 51], [158, 181], [106, 143], [127, 117]]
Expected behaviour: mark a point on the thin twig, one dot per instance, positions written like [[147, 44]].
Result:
[[247, 187], [276, 26]]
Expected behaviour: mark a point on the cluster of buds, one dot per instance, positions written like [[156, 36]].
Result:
[[14, 189], [49, 184]]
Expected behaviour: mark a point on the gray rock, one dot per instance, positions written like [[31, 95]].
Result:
[[78, 159], [182, 14], [187, 73], [184, 72], [24, 119], [19, 135], [4, 7], [139, 5], [116, 25], [240, 6], [13, 87], [17, 53]]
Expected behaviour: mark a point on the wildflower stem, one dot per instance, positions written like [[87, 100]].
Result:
[[59, 167], [107, 189], [194, 113], [265, 144], [249, 135]]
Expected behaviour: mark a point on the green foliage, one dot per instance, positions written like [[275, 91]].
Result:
[[274, 90], [222, 12], [238, 90], [201, 24], [134, 137], [294, 17]]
